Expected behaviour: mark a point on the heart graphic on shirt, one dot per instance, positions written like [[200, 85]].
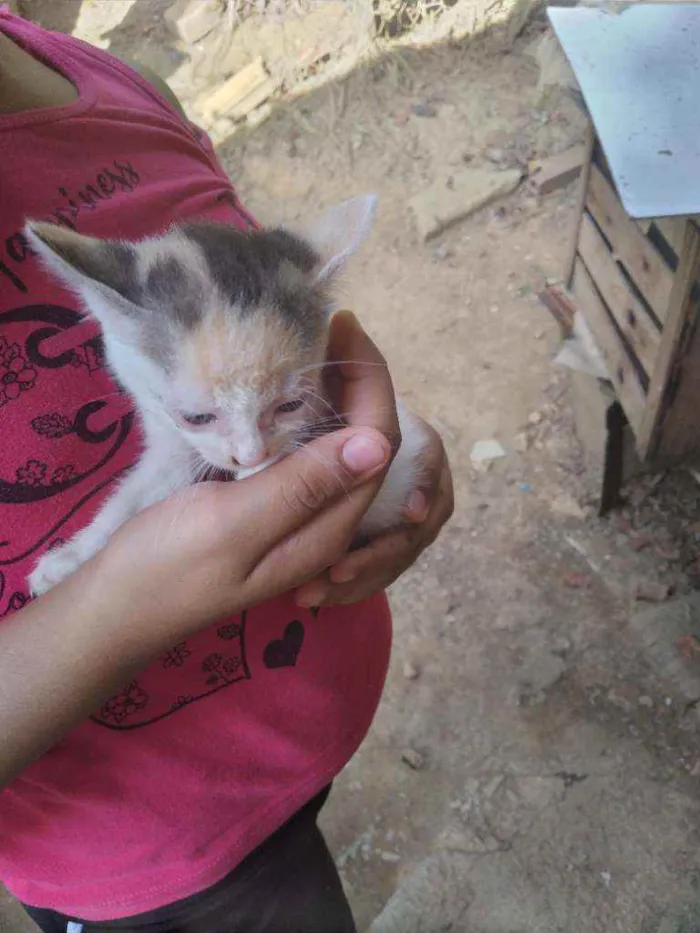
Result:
[[283, 652]]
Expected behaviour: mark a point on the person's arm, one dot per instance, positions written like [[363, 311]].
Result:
[[200, 556]]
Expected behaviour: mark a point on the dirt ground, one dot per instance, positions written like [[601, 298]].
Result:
[[557, 779]]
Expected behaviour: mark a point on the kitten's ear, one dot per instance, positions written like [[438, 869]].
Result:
[[101, 269], [339, 232]]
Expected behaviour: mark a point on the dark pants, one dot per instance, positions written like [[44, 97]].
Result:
[[288, 885]]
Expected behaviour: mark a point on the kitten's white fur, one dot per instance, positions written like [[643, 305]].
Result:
[[172, 459]]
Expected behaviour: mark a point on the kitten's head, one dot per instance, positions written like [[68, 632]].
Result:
[[219, 331]]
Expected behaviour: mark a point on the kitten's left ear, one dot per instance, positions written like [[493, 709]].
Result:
[[86, 264], [339, 232]]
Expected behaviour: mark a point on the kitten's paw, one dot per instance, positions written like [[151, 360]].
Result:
[[54, 567]]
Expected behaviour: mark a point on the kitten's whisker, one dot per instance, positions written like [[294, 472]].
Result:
[[298, 444], [102, 398], [202, 472], [323, 401], [307, 390], [314, 366], [345, 476], [341, 416], [313, 408], [166, 528], [316, 455]]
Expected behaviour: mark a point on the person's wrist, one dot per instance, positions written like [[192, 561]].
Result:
[[127, 596]]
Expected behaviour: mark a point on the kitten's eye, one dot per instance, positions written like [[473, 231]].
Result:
[[291, 406], [197, 420]]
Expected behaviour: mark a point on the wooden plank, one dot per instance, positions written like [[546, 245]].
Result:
[[644, 265], [254, 99], [629, 312], [620, 368], [679, 427], [672, 362], [580, 205], [232, 92], [558, 302], [672, 230], [558, 171]]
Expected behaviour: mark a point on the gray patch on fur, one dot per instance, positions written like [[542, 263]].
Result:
[[174, 299], [243, 264], [173, 289], [165, 279], [248, 269], [252, 271], [116, 267]]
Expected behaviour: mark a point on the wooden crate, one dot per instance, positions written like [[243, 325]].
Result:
[[636, 284]]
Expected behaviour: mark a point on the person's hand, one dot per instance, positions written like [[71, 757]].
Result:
[[366, 571], [217, 548]]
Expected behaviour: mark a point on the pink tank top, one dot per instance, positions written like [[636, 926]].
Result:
[[204, 754]]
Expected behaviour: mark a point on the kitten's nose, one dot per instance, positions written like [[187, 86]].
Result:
[[250, 450]]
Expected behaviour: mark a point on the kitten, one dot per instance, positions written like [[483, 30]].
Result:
[[220, 337]]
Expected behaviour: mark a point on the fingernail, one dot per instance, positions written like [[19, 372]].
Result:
[[362, 454], [346, 313], [417, 505], [312, 598], [343, 575]]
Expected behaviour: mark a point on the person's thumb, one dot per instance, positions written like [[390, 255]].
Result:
[[297, 493]]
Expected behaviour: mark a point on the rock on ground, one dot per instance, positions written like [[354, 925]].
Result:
[[434, 898], [449, 200]]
